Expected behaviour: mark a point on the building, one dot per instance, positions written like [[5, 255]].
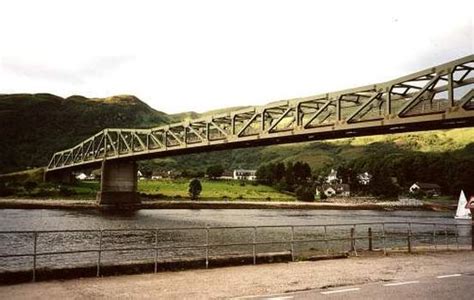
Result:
[[431, 189], [227, 175], [364, 178], [332, 177], [241, 174], [338, 189], [81, 176]]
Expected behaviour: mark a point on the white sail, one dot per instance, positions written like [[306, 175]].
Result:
[[462, 212]]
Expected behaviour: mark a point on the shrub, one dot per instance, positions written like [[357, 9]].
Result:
[[195, 189], [304, 193], [6, 190], [30, 185], [65, 191], [322, 196]]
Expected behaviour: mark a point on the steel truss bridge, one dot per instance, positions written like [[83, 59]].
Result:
[[436, 98]]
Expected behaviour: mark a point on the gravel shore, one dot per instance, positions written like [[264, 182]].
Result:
[[11, 203]]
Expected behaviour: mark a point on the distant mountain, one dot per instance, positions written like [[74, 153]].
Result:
[[189, 115]]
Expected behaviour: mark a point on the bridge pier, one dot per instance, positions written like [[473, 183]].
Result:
[[118, 185], [61, 176]]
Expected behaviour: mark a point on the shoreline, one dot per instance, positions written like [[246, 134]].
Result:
[[15, 203]]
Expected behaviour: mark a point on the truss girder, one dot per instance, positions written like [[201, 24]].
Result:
[[445, 91]]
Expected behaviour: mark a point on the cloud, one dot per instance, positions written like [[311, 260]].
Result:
[[48, 69]]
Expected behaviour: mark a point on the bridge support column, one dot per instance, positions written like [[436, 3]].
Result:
[[61, 176], [118, 185]]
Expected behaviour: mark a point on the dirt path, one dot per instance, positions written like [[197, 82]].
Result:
[[249, 280]]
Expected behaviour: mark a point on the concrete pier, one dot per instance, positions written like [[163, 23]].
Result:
[[59, 176], [118, 185]]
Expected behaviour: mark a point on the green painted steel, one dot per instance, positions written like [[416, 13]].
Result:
[[435, 98]]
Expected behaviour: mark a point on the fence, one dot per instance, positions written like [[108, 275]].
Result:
[[298, 240]]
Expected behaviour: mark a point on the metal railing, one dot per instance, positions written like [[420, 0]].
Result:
[[392, 236]]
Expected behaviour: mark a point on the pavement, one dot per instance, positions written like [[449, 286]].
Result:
[[442, 275], [447, 286]]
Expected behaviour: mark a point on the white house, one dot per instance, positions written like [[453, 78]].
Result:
[[428, 188], [241, 174], [340, 189], [332, 177], [364, 178], [81, 176]]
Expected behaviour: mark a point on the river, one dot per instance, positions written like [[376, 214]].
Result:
[[44, 219], [48, 219]]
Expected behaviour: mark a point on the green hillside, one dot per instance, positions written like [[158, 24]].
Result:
[[324, 155], [33, 126]]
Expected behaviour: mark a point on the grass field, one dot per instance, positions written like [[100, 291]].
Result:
[[178, 189], [219, 189]]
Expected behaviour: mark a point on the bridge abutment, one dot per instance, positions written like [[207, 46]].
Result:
[[118, 185]]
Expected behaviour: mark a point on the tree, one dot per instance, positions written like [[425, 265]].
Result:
[[214, 171], [301, 171], [382, 186], [279, 171], [289, 176], [195, 188]]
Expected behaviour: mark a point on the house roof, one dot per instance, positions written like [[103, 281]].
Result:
[[426, 185]]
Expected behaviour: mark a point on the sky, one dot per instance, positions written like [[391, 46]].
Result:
[[201, 55]]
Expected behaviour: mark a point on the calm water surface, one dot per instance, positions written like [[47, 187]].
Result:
[[44, 219], [47, 219]]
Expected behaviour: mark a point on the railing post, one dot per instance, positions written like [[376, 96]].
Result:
[[472, 233], [292, 243], [254, 250], [156, 250], [207, 247], [383, 239], [456, 235], [353, 247], [370, 239], [35, 242], [352, 240], [99, 253], [446, 235], [409, 237], [326, 239]]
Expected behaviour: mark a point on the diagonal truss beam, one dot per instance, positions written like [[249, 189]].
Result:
[[398, 97]]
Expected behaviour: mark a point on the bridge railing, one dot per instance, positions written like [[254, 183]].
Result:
[[77, 248], [441, 94]]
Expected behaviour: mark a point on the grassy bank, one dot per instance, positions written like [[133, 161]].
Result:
[[212, 189], [157, 189]]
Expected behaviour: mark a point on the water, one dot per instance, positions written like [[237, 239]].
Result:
[[48, 219], [44, 219]]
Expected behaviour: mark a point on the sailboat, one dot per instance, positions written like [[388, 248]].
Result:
[[462, 212]]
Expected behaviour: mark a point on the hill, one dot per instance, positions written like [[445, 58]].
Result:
[[322, 155], [33, 126]]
